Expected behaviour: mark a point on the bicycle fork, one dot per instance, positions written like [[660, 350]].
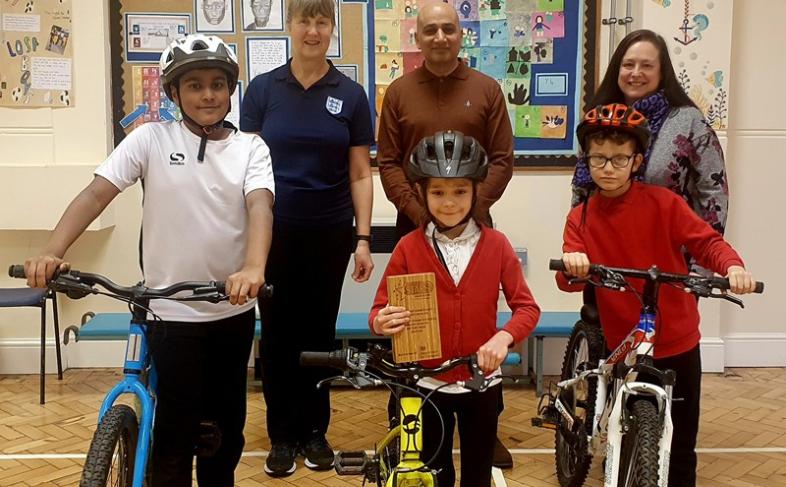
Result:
[[135, 364], [615, 429]]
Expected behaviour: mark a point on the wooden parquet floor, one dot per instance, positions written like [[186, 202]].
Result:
[[742, 440]]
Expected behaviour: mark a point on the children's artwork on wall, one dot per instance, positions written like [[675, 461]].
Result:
[[412, 61], [334, 49], [467, 9], [407, 41], [547, 25], [494, 33], [543, 51], [389, 67], [492, 61], [519, 29], [551, 5], [387, 35], [214, 15], [516, 92], [553, 122], [698, 33], [262, 15], [527, 121], [518, 63], [471, 57], [36, 54], [470, 33]]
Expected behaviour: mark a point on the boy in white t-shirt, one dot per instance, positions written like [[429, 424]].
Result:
[[207, 215]]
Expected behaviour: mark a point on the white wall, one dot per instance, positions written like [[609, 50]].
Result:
[[531, 212]]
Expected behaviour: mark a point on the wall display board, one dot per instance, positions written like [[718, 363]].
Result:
[[541, 52], [36, 53]]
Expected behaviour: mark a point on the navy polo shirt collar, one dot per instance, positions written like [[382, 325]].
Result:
[[461, 72], [331, 78]]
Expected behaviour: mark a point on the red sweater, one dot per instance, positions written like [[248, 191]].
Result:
[[467, 312], [646, 226]]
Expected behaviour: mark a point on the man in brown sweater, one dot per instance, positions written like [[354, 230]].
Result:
[[442, 94]]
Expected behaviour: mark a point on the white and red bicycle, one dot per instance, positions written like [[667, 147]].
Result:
[[599, 408]]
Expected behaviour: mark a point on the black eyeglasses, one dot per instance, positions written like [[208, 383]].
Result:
[[619, 161]]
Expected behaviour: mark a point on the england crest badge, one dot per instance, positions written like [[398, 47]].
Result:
[[334, 105]]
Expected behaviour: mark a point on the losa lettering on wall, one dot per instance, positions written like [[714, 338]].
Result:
[[22, 46]]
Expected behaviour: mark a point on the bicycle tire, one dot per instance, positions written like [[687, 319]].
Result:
[[639, 452], [117, 432], [585, 345]]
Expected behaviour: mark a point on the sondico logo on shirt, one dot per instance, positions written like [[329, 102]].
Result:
[[177, 159]]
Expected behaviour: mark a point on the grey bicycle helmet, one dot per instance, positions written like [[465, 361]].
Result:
[[448, 154], [197, 51]]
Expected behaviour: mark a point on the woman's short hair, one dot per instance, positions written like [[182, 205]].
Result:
[[609, 90], [311, 8]]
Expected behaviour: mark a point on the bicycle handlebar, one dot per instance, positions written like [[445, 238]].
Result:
[[354, 362], [80, 284], [654, 274]]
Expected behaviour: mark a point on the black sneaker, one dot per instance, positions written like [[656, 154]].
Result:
[[281, 459], [319, 455]]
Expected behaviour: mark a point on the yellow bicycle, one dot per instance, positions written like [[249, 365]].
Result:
[[396, 461]]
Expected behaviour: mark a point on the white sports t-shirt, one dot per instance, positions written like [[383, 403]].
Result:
[[194, 218]]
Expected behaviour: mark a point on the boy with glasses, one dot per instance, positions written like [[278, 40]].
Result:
[[629, 224]]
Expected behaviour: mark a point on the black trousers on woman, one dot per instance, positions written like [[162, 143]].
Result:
[[306, 267], [202, 370]]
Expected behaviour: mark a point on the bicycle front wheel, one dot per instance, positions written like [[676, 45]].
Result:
[[584, 350], [110, 460], [639, 452]]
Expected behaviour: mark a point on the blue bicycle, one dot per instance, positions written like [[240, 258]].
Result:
[[121, 445]]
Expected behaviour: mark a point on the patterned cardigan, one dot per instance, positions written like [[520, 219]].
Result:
[[688, 159]]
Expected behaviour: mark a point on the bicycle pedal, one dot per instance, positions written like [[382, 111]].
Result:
[[352, 462], [547, 419]]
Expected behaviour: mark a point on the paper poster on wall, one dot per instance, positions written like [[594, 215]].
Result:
[[236, 101], [147, 35], [214, 15], [265, 54], [150, 103], [262, 15], [36, 53], [334, 50], [348, 70]]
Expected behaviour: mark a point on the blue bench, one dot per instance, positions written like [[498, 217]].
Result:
[[354, 326]]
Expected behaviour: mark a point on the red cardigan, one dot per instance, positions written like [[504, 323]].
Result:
[[646, 226], [467, 312]]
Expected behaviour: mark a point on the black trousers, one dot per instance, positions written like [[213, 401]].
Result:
[[475, 413], [684, 415], [306, 267], [202, 370]]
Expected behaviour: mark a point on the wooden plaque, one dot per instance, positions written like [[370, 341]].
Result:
[[420, 339]]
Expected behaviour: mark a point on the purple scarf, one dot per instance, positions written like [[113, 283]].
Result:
[[655, 107]]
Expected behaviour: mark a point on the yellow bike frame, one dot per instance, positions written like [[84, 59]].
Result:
[[410, 471]]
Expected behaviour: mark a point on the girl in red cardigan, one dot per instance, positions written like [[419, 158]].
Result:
[[470, 262]]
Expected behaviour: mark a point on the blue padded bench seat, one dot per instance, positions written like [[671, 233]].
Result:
[[114, 326]]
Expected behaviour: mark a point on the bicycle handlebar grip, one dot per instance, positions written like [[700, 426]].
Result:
[[556, 265], [17, 270], [336, 359], [723, 283], [266, 291]]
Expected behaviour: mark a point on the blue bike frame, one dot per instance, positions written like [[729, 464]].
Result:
[[136, 362]]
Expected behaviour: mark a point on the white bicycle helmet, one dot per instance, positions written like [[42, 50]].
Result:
[[196, 51]]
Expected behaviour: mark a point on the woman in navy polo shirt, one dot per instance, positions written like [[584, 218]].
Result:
[[317, 123]]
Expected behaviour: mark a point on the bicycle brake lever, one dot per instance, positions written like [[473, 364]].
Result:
[[730, 298]]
